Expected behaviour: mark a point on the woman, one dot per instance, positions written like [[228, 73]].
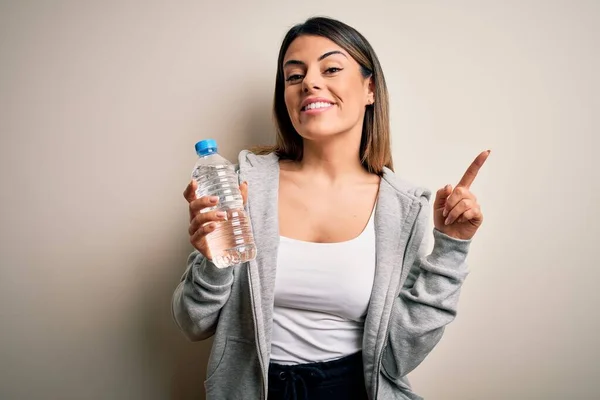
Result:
[[341, 302]]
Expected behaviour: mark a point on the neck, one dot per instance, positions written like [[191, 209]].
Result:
[[335, 159]]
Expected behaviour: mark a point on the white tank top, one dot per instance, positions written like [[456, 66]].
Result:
[[322, 293]]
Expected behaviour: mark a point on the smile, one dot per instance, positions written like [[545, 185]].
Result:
[[317, 106]]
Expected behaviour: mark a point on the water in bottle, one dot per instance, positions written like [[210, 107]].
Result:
[[232, 241]]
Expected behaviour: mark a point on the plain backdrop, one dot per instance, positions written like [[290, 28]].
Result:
[[101, 103]]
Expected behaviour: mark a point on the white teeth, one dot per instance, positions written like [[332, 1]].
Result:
[[316, 105]]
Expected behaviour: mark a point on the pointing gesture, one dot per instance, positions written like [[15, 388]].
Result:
[[456, 212]]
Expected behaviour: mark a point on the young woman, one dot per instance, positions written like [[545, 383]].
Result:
[[341, 301]]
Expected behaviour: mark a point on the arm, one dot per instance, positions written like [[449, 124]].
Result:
[[428, 299], [204, 289], [199, 298]]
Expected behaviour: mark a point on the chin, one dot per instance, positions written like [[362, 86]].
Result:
[[318, 134], [319, 131]]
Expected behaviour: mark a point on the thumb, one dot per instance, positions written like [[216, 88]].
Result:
[[190, 191], [441, 196], [244, 190]]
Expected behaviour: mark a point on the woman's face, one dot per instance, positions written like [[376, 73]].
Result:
[[325, 91]]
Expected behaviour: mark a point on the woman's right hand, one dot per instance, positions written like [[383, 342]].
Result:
[[202, 223]]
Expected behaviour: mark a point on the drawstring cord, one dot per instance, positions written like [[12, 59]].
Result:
[[295, 380]]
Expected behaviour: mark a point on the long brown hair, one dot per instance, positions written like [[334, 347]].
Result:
[[375, 150]]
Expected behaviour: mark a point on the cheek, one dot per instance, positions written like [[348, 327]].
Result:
[[350, 95], [355, 103], [291, 102]]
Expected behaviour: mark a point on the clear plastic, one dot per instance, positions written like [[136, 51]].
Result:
[[232, 242]]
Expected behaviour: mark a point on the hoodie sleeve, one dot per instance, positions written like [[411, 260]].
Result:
[[428, 299], [198, 299], [203, 291]]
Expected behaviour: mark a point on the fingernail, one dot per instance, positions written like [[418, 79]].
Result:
[[447, 222], [489, 151], [213, 199], [221, 214], [445, 213]]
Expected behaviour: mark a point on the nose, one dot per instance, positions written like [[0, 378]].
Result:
[[312, 80]]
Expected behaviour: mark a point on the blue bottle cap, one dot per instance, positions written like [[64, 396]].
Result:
[[206, 147]]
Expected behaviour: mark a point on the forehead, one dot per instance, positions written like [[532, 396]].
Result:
[[310, 48]]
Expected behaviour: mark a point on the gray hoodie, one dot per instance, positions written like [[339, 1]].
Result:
[[414, 295]]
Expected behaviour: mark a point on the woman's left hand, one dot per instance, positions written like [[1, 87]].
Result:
[[456, 213]]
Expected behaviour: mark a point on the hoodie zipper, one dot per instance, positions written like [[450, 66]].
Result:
[[256, 338], [241, 178], [414, 217], [380, 355]]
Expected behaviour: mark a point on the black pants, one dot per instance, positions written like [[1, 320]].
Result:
[[333, 380]]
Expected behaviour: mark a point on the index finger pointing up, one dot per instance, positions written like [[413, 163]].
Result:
[[471, 173]]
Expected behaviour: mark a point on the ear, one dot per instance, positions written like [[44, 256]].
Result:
[[370, 91]]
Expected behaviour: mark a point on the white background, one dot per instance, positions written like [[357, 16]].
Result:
[[101, 103]]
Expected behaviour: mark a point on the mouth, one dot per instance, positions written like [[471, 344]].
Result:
[[317, 106]]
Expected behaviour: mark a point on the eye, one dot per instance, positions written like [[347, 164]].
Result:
[[332, 70], [294, 78]]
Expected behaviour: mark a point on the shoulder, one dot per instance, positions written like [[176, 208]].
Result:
[[248, 159], [404, 188]]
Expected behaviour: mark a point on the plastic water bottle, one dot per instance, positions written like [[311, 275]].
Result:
[[232, 242]]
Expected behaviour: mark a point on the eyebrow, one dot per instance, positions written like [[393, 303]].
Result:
[[321, 58]]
